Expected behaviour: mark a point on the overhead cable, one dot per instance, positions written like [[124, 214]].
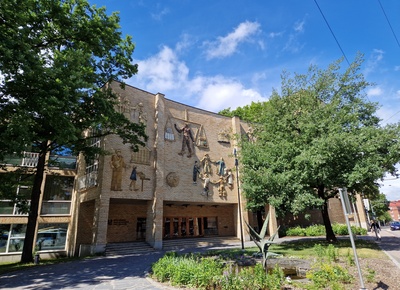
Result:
[[390, 25], [337, 42]]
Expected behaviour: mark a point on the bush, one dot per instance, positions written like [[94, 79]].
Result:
[[198, 272], [296, 231], [319, 230], [190, 270], [326, 274]]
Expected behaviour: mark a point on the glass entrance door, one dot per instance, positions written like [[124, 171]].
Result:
[[181, 227]]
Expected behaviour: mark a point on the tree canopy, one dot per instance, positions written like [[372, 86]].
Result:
[[380, 208], [319, 134], [56, 58]]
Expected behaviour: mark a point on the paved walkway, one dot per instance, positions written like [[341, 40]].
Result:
[[123, 272]]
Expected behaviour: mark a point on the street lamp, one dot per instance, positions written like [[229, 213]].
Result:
[[239, 203]]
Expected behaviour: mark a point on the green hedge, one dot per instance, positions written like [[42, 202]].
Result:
[[319, 230]]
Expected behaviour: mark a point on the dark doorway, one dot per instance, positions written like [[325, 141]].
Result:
[[141, 229]]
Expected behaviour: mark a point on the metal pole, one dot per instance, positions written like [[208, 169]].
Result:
[[239, 203], [346, 214]]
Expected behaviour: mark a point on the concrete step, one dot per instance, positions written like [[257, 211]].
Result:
[[140, 247], [128, 248], [207, 242]]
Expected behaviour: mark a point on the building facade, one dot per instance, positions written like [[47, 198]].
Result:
[[394, 210], [182, 183], [55, 232]]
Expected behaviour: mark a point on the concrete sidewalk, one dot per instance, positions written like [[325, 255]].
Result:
[[128, 272], [390, 244]]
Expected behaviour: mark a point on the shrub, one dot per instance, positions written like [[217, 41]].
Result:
[[189, 270], [319, 230], [315, 231], [326, 274], [198, 272], [296, 231], [249, 278]]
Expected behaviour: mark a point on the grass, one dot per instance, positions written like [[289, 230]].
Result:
[[329, 266], [11, 267], [305, 249]]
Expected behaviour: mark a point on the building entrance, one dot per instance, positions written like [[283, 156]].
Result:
[[141, 228], [181, 227]]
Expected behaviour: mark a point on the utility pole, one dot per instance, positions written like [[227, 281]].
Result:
[[239, 200]]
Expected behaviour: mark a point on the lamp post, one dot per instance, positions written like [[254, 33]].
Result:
[[239, 203]]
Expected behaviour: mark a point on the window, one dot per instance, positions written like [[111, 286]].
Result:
[[57, 195], [12, 238], [51, 236], [9, 207], [169, 134]]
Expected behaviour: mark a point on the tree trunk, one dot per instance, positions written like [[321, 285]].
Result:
[[27, 250], [330, 235]]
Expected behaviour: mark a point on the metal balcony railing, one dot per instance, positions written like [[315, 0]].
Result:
[[30, 159]]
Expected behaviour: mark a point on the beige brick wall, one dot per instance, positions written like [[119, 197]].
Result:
[[159, 114], [85, 223], [122, 222]]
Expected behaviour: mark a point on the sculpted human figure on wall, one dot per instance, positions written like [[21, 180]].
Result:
[[206, 183], [229, 178], [196, 172], [133, 178], [206, 163], [221, 166], [141, 114], [117, 164], [187, 140], [221, 186]]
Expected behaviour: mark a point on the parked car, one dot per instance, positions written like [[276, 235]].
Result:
[[395, 226]]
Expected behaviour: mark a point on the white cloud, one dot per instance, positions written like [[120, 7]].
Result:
[[185, 42], [275, 34], [293, 45], [375, 92], [160, 14], [167, 74], [161, 72], [373, 61], [226, 46], [221, 93], [390, 186], [299, 26]]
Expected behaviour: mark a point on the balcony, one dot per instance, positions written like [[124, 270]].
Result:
[[30, 159]]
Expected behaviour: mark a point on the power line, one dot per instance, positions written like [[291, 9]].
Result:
[[392, 116], [337, 42], [390, 25]]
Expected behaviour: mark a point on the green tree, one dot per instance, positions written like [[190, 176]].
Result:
[[380, 207], [56, 58], [250, 113], [318, 135]]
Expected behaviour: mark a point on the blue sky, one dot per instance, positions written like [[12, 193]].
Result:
[[219, 54]]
